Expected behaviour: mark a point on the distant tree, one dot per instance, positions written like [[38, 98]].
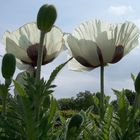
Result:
[[66, 103], [84, 100]]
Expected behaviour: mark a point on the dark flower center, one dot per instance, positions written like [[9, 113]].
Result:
[[100, 56], [118, 54], [84, 62], [32, 52]]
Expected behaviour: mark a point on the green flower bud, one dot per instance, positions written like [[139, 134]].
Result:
[[46, 17], [75, 121], [137, 83], [8, 66]]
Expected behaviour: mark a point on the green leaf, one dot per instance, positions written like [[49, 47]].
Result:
[[26, 112], [133, 77], [137, 84], [53, 107], [106, 130], [73, 128], [123, 110], [55, 72], [20, 89]]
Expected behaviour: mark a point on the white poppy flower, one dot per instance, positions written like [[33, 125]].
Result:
[[24, 43], [95, 43]]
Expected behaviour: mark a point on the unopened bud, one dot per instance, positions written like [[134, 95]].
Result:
[[46, 17], [8, 66]]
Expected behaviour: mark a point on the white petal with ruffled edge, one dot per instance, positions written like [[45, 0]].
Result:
[[25, 36], [18, 41], [22, 66], [73, 64], [92, 34], [83, 49], [99, 32], [76, 66], [127, 35], [18, 52], [54, 43]]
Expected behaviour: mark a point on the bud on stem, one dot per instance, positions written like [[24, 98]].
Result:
[[8, 66], [46, 17]]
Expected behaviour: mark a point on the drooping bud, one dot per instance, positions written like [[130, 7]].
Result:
[[137, 83], [46, 17], [8, 66]]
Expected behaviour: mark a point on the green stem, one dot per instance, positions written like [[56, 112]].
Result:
[[102, 91], [40, 56], [4, 100], [4, 106]]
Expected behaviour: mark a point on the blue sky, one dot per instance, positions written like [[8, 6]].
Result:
[[15, 13]]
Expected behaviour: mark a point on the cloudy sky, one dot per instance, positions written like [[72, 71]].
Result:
[[15, 13]]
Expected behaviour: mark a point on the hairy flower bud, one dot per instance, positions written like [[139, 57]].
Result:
[[46, 17], [8, 66]]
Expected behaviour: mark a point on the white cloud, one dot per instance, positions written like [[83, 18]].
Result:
[[71, 83], [120, 10]]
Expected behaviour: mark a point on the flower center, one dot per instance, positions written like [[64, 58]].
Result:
[[32, 52], [118, 54], [84, 62], [100, 56]]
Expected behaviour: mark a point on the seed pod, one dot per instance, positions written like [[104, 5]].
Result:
[[46, 17], [8, 66]]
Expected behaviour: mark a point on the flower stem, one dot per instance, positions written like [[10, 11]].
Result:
[[4, 106], [40, 56], [102, 91], [4, 100]]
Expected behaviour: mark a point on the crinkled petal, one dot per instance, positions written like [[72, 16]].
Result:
[[73, 64], [18, 52], [2, 50], [83, 50], [54, 43], [76, 66], [127, 35], [22, 66], [106, 45], [25, 36], [99, 32], [29, 34], [89, 30]]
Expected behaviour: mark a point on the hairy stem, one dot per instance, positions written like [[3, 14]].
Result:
[[102, 91], [5, 94], [4, 106], [40, 56]]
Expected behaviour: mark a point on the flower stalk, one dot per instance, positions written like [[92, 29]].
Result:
[[40, 56], [102, 91]]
